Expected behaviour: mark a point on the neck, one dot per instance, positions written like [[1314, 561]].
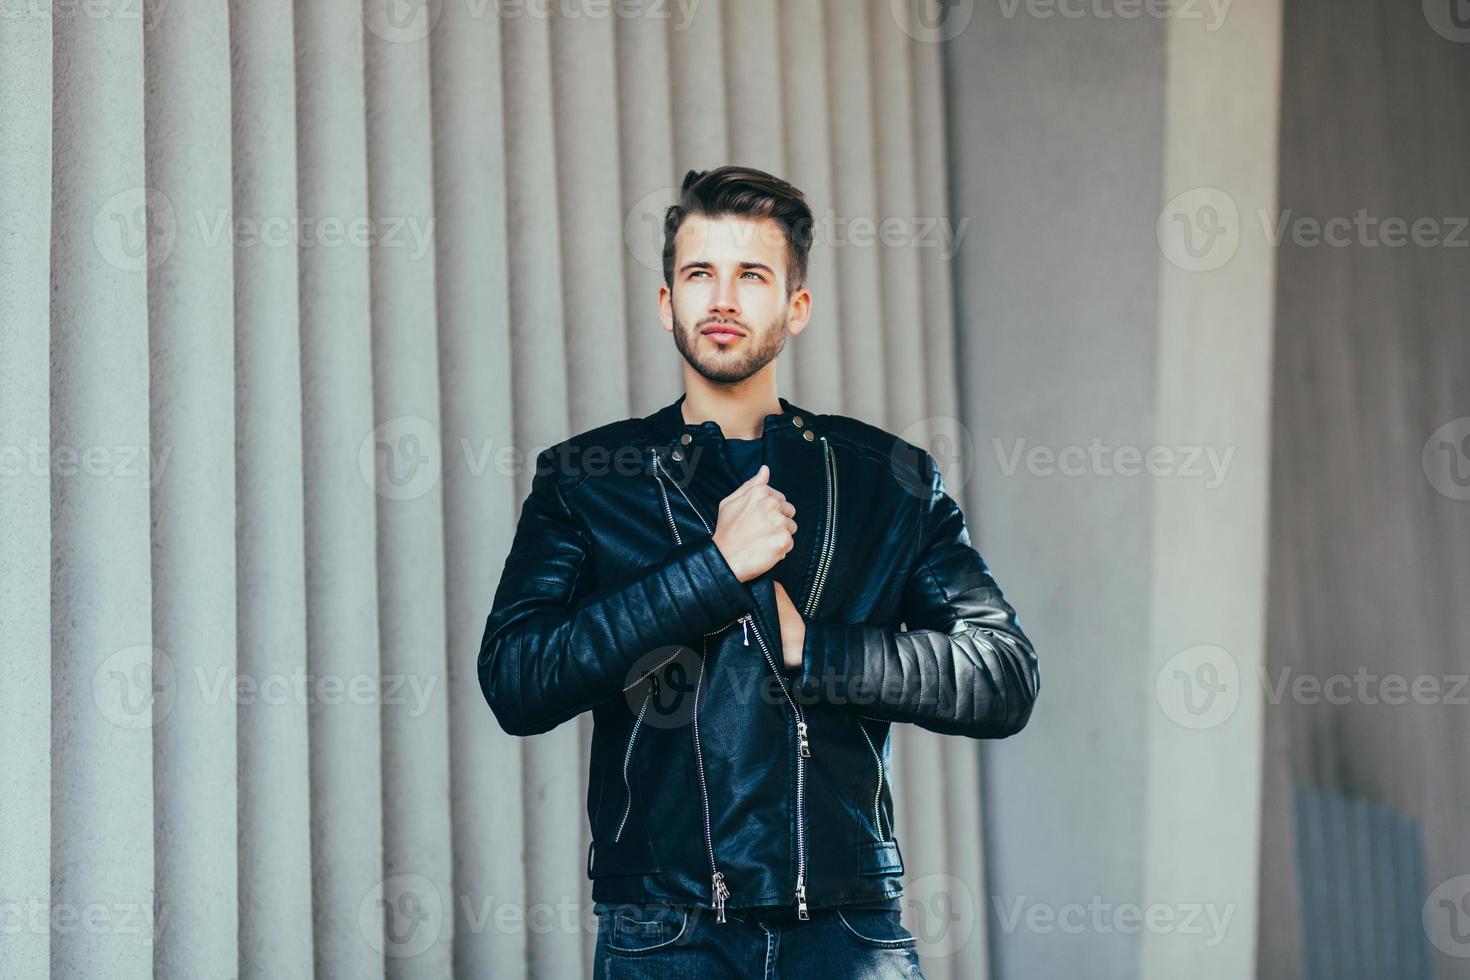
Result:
[[739, 409]]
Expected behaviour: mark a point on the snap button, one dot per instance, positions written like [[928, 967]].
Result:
[[807, 435], [796, 421], [686, 438], [678, 454]]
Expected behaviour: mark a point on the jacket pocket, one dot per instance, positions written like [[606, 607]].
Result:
[[609, 859], [879, 857]]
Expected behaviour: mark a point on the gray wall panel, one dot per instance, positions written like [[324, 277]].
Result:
[[275, 883], [25, 484], [191, 342]]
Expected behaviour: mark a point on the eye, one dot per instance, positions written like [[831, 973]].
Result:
[[752, 272]]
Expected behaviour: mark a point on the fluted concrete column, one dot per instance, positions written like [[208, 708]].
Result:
[[757, 133], [858, 298], [806, 104], [407, 465], [341, 538], [25, 488], [472, 260], [106, 692], [191, 331], [275, 933], [649, 185], [1214, 352], [552, 790]]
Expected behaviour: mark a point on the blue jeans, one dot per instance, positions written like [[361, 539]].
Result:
[[664, 942]]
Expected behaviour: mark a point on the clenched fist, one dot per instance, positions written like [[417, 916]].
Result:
[[754, 528]]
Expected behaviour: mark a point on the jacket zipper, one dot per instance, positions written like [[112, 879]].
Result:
[[628, 754], [829, 533], [804, 743], [719, 891], [878, 796]]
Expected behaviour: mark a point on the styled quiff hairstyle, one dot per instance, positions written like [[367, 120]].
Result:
[[751, 193]]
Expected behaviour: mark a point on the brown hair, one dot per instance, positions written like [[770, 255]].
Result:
[[749, 192]]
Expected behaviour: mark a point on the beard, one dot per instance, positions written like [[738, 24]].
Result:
[[759, 348]]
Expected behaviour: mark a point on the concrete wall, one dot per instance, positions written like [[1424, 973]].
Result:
[[1098, 325], [290, 279], [1369, 562]]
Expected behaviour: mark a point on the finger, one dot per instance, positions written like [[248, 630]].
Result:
[[790, 525], [789, 509]]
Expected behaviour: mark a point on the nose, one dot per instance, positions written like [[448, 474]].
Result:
[[724, 301]]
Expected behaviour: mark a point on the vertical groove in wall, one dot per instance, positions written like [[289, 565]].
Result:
[[649, 185], [551, 794], [275, 882], [191, 333], [806, 108], [341, 549], [754, 76], [101, 633], [587, 170], [855, 193], [25, 483], [480, 493], [407, 453], [697, 80], [961, 778], [897, 224]]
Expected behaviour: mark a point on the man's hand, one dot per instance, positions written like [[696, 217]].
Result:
[[793, 629], [754, 528]]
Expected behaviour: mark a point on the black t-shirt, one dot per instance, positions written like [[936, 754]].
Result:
[[745, 457]]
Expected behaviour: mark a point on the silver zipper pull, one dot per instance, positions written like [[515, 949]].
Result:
[[746, 620], [806, 748], [721, 892], [801, 896]]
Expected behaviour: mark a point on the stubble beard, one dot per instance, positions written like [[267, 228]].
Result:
[[722, 368]]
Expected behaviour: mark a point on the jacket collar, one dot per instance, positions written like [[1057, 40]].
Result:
[[669, 428]]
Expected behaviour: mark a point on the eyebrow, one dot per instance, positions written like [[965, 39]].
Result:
[[701, 264]]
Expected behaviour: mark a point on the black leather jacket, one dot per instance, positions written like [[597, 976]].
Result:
[[718, 776]]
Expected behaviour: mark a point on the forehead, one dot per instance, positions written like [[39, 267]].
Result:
[[730, 238]]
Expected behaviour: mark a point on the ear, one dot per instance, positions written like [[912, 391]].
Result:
[[666, 307], [799, 311]]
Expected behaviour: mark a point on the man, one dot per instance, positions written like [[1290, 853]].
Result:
[[722, 583]]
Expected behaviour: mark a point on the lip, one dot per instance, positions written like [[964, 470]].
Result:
[[722, 332]]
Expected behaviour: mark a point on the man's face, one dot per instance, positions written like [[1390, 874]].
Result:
[[728, 310]]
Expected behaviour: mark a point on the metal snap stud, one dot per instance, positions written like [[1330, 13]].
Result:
[[796, 421], [686, 438], [678, 454], [807, 435]]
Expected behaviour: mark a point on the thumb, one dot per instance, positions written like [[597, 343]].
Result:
[[762, 475]]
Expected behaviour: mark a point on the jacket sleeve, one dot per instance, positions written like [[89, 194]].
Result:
[[555, 644], [963, 667]]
